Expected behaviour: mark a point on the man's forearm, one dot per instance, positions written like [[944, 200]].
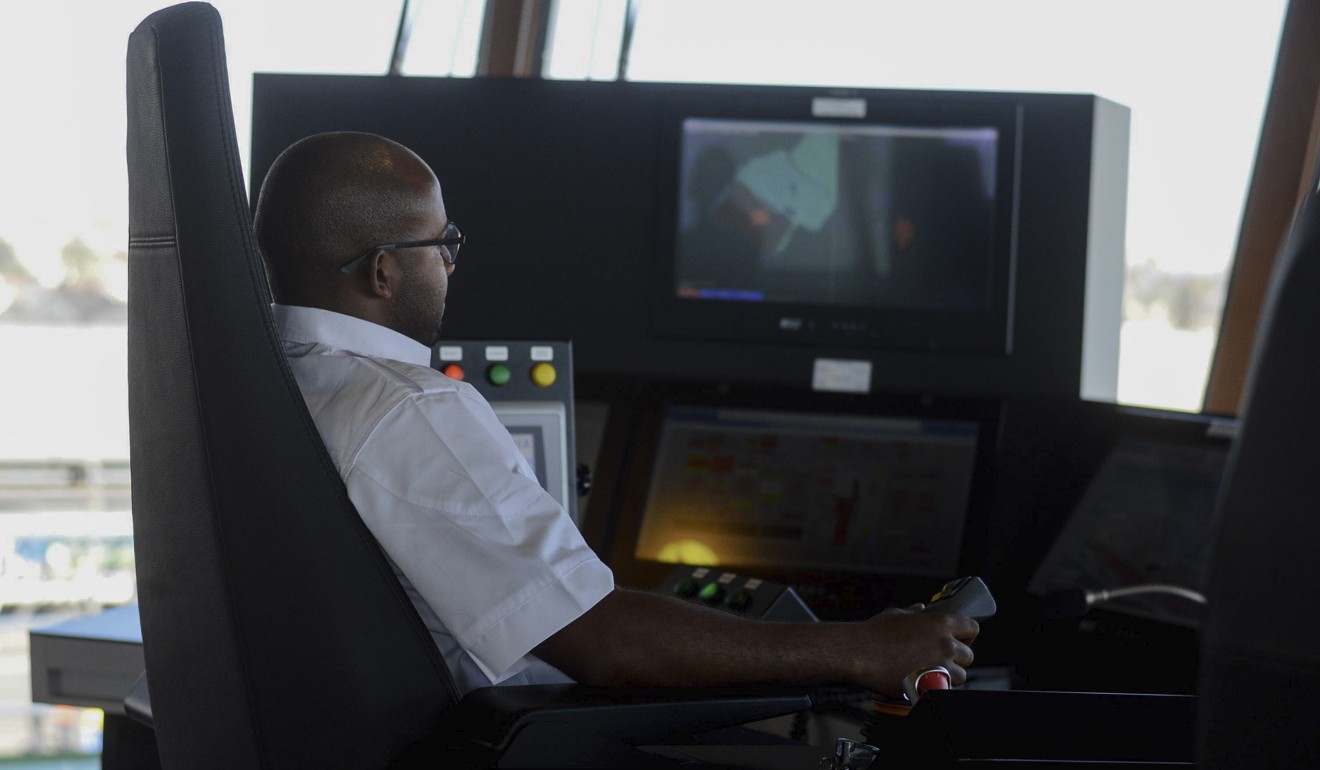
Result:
[[647, 640], [641, 639]]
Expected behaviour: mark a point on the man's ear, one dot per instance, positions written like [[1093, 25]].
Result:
[[382, 274]]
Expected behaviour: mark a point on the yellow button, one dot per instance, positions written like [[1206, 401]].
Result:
[[543, 375]]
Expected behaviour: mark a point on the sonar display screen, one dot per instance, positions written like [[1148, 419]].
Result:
[[796, 490], [838, 215]]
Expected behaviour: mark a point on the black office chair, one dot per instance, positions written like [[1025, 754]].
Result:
[[1260, 681], [275, 633]]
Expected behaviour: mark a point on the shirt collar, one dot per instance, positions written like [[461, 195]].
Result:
[[347, 333]]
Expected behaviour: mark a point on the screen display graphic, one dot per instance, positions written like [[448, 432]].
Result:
[[748, 487], [837, 215]]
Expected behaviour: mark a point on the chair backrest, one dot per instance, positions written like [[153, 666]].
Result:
[[1260, 662], [274, 630]]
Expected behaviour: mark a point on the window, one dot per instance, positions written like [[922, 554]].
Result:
[[444, 37], [585, 39], [64, 510]]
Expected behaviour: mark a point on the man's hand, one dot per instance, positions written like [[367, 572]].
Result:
[[905, 640]]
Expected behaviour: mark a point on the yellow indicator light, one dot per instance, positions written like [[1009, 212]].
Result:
[[543, 375], [688, 552]]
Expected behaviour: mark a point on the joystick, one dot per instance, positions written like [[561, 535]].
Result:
[[966, 595]]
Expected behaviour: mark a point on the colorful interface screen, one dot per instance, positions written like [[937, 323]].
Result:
[[797, 490]]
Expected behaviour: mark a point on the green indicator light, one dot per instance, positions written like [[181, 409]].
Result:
[[711, 592], [686, 587], [498, 374]]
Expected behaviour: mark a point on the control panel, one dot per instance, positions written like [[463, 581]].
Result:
[[737, 594], [529, 384]]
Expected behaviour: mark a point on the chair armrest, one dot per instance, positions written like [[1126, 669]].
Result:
[[569, 725], [576, 725]]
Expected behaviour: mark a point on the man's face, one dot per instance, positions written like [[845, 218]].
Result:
[[419, 304]]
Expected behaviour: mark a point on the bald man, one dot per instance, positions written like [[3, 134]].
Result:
[[359, 250]]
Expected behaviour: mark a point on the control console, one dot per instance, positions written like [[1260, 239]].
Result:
[[738, 594], [529, 384]]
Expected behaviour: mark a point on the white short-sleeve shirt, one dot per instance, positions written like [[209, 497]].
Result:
[[491, 561]]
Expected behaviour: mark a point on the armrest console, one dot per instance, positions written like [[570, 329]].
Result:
[[571, 725]]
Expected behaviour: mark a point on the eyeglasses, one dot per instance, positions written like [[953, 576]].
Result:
[[449, 245]]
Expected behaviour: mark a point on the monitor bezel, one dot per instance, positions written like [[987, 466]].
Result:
[[987, 331]]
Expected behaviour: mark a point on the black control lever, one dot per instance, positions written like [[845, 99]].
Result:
[[966, 595]]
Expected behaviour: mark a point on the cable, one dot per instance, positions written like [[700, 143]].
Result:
[[1151, 588], [1074, 602]]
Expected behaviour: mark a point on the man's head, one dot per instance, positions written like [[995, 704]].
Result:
[[331, 198]]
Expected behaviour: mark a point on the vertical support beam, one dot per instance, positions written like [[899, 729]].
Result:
[[631, 10], [401, 38], [1284, 160], [513, 36]]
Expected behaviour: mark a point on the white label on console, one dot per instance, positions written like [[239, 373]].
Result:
[[497, 353], [451, 352], [726, 578], [543, 353], [700, 572], [841, 376], [752, 584], [834, 107]]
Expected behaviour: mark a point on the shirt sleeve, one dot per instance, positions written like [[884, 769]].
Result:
[[445, 491]]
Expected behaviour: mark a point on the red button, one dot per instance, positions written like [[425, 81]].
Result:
[[453, 372]]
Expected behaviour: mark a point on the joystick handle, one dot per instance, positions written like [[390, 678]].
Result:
[[966, 595]]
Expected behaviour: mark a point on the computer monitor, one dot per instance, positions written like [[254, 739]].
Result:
[[1145, 517], [889, 233], [802, 491], [856, 510]]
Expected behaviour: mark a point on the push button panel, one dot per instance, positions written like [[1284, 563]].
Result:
[[529, 384], [737, 594], [509, 370]]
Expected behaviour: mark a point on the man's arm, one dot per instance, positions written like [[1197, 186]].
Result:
[[633, 638]]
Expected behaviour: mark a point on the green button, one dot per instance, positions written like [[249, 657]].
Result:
[[686, 587], [498, 374], [711, 593], [739, 600]]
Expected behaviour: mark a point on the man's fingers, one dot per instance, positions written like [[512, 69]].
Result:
[[965, 629], [963, 655]]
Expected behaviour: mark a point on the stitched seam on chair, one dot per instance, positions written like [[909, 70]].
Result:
[[152, 240]]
